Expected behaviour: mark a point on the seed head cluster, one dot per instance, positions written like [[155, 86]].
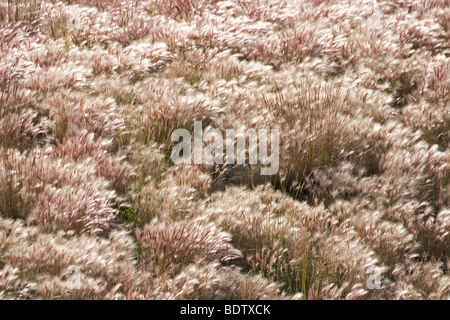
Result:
[[91, 91]]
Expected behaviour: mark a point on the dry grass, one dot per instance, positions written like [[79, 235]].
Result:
[[90, 92]]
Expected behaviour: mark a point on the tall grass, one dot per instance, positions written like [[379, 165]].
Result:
[[91, 91]]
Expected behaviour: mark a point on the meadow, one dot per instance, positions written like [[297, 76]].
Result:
[[92, 207]]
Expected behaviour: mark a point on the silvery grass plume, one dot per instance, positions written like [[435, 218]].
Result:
[[92, 206]]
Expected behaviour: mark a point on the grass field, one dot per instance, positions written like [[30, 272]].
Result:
[[92, 207]]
